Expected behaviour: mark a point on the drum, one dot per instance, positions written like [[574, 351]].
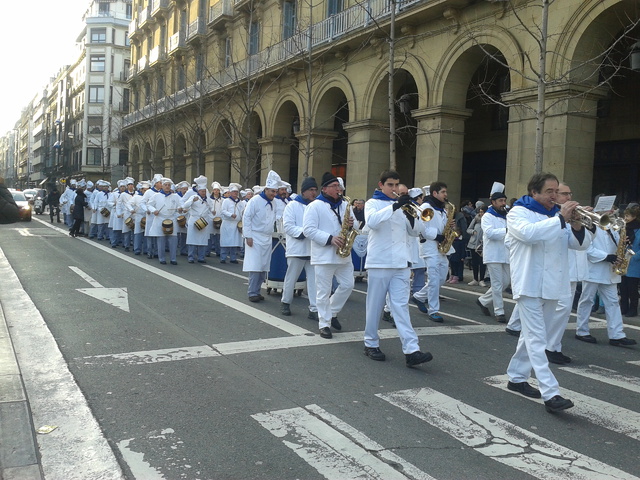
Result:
[[217, 222], [143, 222], [167, 227], [200, 223], [240, 226], [105, 212], [130, 223], [182, 221]]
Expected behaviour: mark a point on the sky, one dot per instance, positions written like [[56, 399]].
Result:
[[37, 39]]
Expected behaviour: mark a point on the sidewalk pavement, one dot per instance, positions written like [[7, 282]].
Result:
[[19, 456]]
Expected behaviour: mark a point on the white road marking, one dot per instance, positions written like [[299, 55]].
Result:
[[500, 440], [117, 297], [24, 232], [604, 414], [139, 468], [606, 375], [261, 345], [331, 452], [634, 362], [54, 396]]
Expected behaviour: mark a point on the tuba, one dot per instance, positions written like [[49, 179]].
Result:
[[449, 233], [347, 232]]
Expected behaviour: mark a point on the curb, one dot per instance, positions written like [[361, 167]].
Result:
[[19, 455]]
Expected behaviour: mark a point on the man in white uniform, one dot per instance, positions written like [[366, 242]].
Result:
[[298, 248], [66, 201], [152, 244], [230, 235], [198, 206], [165, 205], [125, 208], [100, 206], [216, 198], [322, 223], [258, 220], [139, 246], [437, 263], [389, 268], [539, 240], [495, 253]]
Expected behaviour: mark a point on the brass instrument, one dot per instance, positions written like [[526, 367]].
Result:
[[449, 232], [624, 253], [415, 211], [589, 219], [347, 232]]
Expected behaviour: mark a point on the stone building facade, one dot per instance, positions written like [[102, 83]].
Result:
[[232, 88]]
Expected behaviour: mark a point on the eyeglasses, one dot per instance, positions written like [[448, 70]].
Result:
[[565, 193]]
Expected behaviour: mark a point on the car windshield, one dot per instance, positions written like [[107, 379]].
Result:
[[18, 196], [30, 193]]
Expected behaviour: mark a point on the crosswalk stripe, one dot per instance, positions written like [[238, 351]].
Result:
[[331, 452], [604, 414], [498, 439], [634, 362], [606, 375]]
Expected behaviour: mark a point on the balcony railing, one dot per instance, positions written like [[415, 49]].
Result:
[[176, 41], [133, 70], [157, 54], [195, 28], [143, 16], [159, 5], [143, 62], [358, 17], [220, 10], [133, 25]]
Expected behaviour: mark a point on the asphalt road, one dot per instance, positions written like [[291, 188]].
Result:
[[185, 379]]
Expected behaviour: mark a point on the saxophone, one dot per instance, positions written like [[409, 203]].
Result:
[[624, 253], [449, 232], [347, 232]]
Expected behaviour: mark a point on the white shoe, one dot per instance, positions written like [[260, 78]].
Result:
[[482, 284], [473, 283]]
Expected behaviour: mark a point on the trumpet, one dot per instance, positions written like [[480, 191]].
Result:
[[415, 211], [589, 219]]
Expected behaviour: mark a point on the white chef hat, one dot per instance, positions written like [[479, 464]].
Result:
[[273, 180], [145, 184], [129, 181], [184, 184], [89, 184], [156, 178], [215, 185], [286, 185], [201, 182], [256, 189], [427, 190], [415, 192], [497, 191], [106, 184], [121, 183], [234, 187], [341, 182], [82, 183], [166, 180], [73, 181]]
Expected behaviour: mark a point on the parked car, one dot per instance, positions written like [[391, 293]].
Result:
[[24, 207]]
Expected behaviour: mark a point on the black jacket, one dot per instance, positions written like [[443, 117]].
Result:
[[79, 204], [9, 212]]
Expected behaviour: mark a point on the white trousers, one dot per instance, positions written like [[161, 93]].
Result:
[[535, 314], [330, 305], [437, 269], [500, 280], [396, 283], [514, 320], [609, 295], [555, 330], [294, 268]]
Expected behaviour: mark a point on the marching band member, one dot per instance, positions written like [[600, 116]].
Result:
[[298, 250], [88, 191], [258, 219], [116, 222], [183, 190], [437, 263], [495, 253], [216, 198], [93, 231], [230, 234], [152, 244], [200, 208], [164, 206], [66, 200], [322, 223], [139, 213], [601, 279], [125, 209], [388, 265], [539, 240], [101, 208]]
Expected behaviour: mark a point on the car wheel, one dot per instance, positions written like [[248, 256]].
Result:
[[28, 219]]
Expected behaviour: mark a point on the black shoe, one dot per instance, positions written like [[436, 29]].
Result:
[[374, 353], [286, 311], [326, 332], [586, 338], [191, 261], [202, 261], [416, 358], [136, 253], [557, 357], [254, 298], [336, 324], [173, 262], [484, 309], [557, 404], [501, 319], [313, 316], [524, 388], [386, 316], [162, 262], [421, 305], [223, 261], [631, 313], [436, 317], [233, 261], [260, 297], [515, 333], [622, 342]]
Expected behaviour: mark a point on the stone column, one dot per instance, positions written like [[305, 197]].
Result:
[[440, 147], [276, 155], [218, 166], [321, 153], [569, 138], [368, 156]]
